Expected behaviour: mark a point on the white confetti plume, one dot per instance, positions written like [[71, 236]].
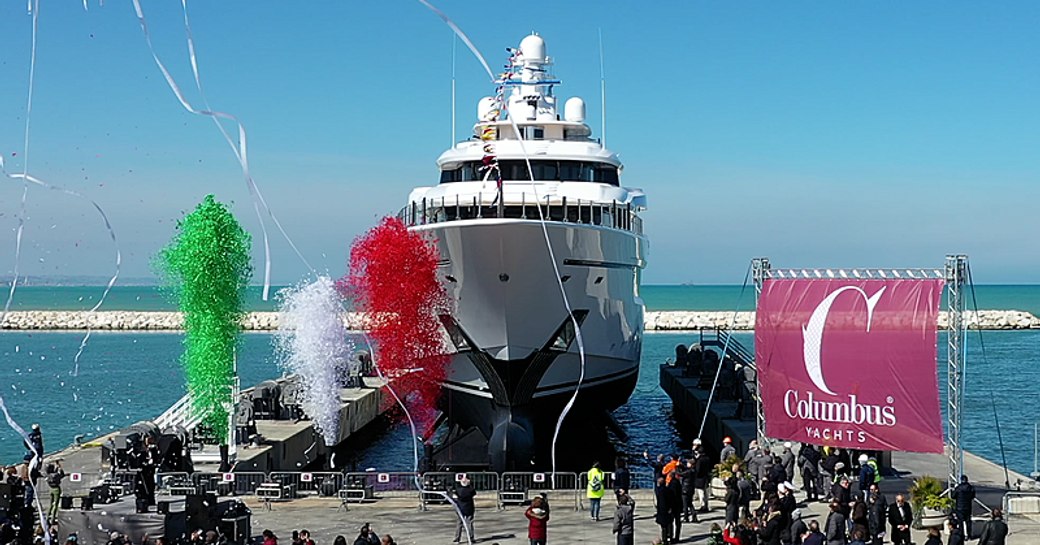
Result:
[[312, 343]]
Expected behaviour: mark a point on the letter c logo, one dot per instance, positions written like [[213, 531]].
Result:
[[812, 333]]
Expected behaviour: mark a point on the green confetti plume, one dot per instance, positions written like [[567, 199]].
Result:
[[206, 269]]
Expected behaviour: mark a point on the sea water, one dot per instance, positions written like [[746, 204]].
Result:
[[127, 377]]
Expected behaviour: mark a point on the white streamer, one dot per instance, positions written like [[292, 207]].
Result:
[[415, 438], [34, 9], [312, 343], [37, 459], [239, 149], [545, 232]]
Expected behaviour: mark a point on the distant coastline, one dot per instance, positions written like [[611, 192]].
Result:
[[57, 320]]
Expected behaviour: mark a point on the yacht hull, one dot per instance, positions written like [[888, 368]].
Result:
[[516, 361]]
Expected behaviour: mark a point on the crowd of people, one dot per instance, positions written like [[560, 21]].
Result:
[[760, 505]]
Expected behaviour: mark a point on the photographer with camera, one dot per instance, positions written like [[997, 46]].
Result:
[[366, 536]]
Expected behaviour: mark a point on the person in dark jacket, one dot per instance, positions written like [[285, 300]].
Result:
[[798, 527], [934, 537], [769, 533], [995, 531], [622, 477], [814, 536], [809, 464], [842, 493], [877, 513], [701, 479], [787, 506], [777, 474], [624, 520], [827, 469], [747, 493], [732, 500], [685, 473], [663, 515], [956, 530], [463, 496], [900, 516], [860, 516], [963, 500], [675, 506], [834, 529]]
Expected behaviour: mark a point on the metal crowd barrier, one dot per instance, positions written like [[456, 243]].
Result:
[[242, 483], [484, 483], [170, 482], [516, 487], [1022, 512], [125, 478], [375, 485], [310, 483]]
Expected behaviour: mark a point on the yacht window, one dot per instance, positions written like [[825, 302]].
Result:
[[566, 171]]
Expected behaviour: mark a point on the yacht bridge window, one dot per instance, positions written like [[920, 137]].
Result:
[[513, 170]]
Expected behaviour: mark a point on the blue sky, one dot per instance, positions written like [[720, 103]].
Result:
[[815, 133]]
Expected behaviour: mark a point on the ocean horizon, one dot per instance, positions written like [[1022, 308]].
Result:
[[657, 297]]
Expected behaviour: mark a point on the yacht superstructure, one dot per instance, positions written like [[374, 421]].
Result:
[[516, 188]]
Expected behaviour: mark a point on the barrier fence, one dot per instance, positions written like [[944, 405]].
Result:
[[1022, 512], [509, 488]]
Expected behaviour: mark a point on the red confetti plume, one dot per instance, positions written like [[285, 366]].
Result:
[[393, 279]]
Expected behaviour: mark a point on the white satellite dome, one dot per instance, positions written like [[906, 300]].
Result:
[[484, 108], [574, 110], [533, 48]]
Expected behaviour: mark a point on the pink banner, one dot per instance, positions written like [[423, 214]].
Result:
[[850, 363]]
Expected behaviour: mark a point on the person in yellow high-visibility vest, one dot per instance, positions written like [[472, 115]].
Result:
[[595, 489]]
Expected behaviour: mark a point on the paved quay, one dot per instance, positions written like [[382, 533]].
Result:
[[325, 519]]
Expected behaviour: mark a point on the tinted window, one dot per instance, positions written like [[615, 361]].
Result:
[[567, 171]]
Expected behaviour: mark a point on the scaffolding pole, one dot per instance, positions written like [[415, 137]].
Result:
[[760, 272], [956, 335]]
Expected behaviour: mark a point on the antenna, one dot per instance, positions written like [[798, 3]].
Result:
[[602, 94], [454, 40]]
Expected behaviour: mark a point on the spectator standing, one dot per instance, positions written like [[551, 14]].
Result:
[[814, 536], [624, 520], [963, 500], [809, 465], [798, 527], [537, 520], [622, 477], [686, 475], [464, 496], [54, 476], [934, 537], [728, 450], [366, 536], [594, 490], [663, 514], [834, 529], [900, 516], [877, 512], [787, 458], [995, 531], [702, 478]]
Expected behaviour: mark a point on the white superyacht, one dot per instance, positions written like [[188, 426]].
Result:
[[516, 360]]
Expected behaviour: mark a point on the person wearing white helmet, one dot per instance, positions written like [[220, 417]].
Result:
[[868, 475]]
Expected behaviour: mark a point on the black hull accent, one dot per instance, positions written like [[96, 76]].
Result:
[[519, 436]]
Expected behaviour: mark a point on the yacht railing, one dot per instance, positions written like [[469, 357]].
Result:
[[613, 215]]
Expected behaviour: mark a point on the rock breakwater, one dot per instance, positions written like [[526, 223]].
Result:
[[116, 320]]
